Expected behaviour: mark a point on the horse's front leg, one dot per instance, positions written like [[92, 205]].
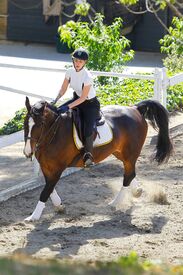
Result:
[[47, 192]]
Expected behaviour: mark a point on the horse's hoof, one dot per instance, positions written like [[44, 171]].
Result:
[[28, 219], [31, 219], [112, 204], [60, 209], [137, 192]]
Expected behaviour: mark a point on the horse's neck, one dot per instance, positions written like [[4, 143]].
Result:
[[59, 127]]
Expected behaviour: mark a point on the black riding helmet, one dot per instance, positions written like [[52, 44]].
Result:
[[81, 54]]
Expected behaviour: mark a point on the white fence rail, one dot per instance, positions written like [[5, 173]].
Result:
[[162, 82], [175, 79], [20, 92]]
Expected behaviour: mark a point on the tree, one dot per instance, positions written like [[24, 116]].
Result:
[[107, 48], [152, 6], [172, 45]]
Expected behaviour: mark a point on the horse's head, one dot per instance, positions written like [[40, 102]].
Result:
[[38, 116]]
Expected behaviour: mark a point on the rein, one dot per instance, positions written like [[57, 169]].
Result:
[[40, 140]]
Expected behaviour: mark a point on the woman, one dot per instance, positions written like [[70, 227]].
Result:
[[84, 97]]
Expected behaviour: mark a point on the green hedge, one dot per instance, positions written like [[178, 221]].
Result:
[[15, 124], [132, 91], [128, 92], [129, 265], [175, 97]]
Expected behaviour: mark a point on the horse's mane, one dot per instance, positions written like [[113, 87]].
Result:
[[39, 106]]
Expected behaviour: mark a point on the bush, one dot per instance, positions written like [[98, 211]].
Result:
[[175, 97], [105, 44], [172, 45], [131, 91], [131, 264], [174, 63], [127, 92], [15, 124]]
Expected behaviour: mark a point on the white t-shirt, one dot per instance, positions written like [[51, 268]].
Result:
[[80, 79]]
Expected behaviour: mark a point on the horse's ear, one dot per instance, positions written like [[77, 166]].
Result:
[[27, 104], [46, 111]]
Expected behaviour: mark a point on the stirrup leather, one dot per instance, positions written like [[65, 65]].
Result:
[[88, 159]]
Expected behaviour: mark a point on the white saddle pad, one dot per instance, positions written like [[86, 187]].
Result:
[[105, 136]]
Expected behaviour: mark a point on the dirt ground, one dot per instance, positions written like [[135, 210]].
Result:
[[90, 229]]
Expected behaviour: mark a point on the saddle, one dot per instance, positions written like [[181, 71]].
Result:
[[78, 122]]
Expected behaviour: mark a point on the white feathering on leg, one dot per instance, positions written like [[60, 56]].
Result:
[[120, 197], [56, 200], [37, 212], [136, 190]]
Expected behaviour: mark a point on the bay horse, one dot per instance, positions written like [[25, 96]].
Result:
[[50, 138]]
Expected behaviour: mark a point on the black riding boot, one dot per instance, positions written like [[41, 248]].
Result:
[[88, 157]]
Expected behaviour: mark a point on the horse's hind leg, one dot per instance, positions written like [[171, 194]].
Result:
[[128, 181], [57, 202]]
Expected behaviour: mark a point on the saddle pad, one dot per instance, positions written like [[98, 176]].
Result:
[[104, 136]]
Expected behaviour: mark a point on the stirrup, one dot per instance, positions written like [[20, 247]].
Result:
[[88, 159]]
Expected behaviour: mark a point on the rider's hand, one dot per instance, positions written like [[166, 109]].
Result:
[[63, 109], [53, 102]]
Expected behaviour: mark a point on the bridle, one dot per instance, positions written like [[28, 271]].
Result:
[[36, 140], [39, 141]]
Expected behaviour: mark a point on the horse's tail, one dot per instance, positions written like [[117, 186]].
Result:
[[158, 116]]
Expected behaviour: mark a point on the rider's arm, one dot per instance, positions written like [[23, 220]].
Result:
[[82, 98], [63, 89]]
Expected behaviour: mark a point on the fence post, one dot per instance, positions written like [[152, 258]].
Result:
[[157, 84], [164, 86]]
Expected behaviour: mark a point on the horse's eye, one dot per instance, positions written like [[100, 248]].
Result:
[[35, 112]]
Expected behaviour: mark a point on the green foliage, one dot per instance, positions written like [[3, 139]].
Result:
[[131, 91], [158, 3], [20, 264], [173, 42], [174, 63], [172, 45], [124, 265], [15, 124], [127, 92], [82, 9], [175, 97], [128, 2], [105, 44]]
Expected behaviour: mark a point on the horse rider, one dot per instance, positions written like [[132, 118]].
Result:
[[84, 97]]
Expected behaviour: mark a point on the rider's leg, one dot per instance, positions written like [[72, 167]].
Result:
[[90, 111], [88, 155]]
